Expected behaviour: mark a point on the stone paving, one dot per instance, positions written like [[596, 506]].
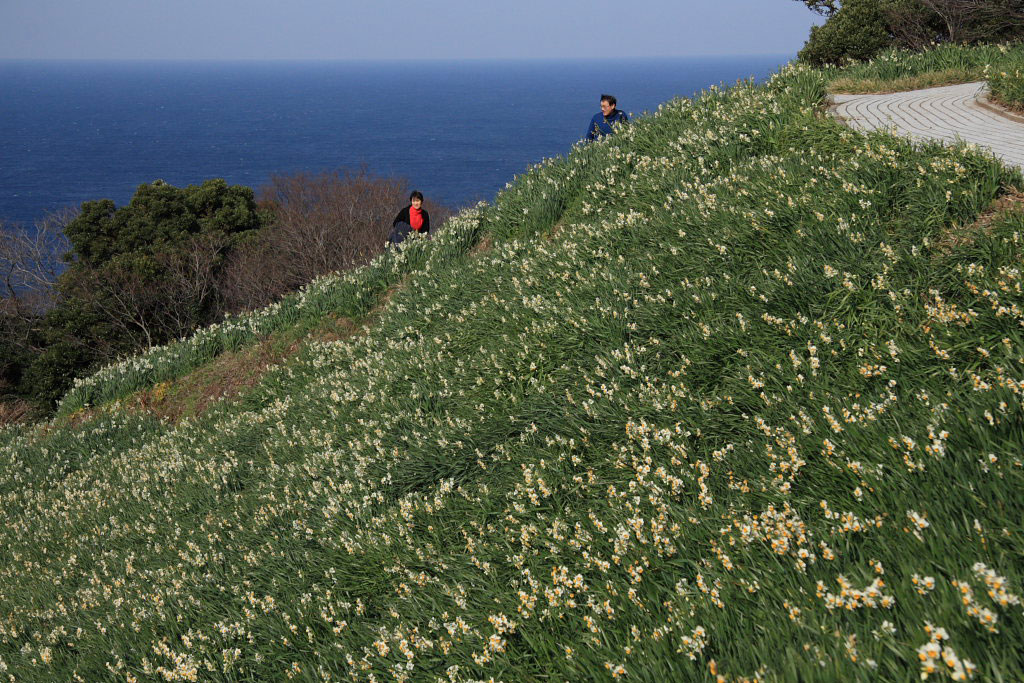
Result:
[[950, 113]]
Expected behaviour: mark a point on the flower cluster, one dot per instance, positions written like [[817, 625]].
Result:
[[937, 652], [711, 384]]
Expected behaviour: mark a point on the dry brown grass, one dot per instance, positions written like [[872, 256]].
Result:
[[957, 237], [336, 328], [482, 246], [14, 411], [231, 375], [875, 86]]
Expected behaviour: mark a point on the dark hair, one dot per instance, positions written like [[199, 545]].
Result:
[[610, 99], [416, 194]]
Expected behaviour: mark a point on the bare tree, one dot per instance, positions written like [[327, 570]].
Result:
[[148, 309], [127, 301], [17, 323], [240, 285], [911, 25], [969, 21], [190, 289], [31, 259], [918, 23], [322, 223], [329, 221]]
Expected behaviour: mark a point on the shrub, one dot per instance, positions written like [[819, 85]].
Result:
[[859, 30]]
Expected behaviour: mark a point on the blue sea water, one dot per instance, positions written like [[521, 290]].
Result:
[[458, 131]]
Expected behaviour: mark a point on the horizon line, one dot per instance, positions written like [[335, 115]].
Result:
[[396, 60]]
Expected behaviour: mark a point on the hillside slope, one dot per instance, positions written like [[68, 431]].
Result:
[[734, 393]]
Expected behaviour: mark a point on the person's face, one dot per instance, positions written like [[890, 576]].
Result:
[[607, 107], [417, 203]]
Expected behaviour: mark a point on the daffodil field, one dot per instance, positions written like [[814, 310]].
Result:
[[938, 65], [734, 394], [1006, 81]]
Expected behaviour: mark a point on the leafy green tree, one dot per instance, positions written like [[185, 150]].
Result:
[[857, 30], [160, 216], [13, 357], [825, 7], [138, 275]]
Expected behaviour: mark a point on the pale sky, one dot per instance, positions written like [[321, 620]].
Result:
[[398, 29]]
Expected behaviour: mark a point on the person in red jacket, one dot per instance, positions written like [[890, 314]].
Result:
[[413, 218]]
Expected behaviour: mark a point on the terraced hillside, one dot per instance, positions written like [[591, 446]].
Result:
[[733, 394]]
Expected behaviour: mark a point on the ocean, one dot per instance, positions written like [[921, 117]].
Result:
[[457, 131]]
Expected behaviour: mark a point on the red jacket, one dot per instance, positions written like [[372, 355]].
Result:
[[403, 217]]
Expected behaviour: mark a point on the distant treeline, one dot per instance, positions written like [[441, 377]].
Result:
[[861, 29], [81, 289]]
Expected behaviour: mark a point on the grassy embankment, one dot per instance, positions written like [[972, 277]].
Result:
[[1006, 82], [1001, 65], [734, 393]]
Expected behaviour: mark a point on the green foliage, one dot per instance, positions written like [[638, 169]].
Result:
[[858, 30], [720, 397], [1006, 80], [903, 63], [13, 357], [93, 233], [49, 374], [138, 276], [937, 65], [160, 216], [12, 364], [825, 7]]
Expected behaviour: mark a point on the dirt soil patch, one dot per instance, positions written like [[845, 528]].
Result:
[[231, 374], [961, 236], [482, 246]]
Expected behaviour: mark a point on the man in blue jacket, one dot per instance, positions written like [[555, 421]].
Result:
[[601, 124]]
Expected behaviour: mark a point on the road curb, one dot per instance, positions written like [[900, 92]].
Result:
[[983, 101]]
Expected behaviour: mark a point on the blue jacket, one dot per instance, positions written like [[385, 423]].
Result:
[[601, 125]]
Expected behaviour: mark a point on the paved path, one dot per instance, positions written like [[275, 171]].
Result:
[[950, 113]]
